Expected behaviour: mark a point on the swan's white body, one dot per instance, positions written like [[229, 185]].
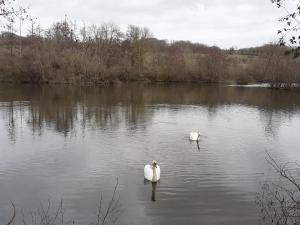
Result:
[[152, 172], [194, 136]]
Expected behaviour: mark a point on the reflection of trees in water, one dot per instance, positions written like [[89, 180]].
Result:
[[272, 120], [12, 115], [99, 117], [211, 112], [11, 122], [64, 108]]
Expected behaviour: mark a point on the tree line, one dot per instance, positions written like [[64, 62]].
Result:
[[104, 54]]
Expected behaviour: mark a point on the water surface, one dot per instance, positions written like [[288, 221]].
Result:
[[72, 143]]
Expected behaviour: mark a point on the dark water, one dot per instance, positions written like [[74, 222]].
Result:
[[72, 143]]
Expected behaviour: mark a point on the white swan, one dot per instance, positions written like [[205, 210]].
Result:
[[194, 136], [152, 172]]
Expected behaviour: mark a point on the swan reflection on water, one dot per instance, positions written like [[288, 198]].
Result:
[[198, 144], [154, 185]]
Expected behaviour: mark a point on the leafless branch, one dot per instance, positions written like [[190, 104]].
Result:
[[14, 214], [280, 202], [47, 215]]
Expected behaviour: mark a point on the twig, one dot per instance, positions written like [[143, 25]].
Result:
[[110, 203], [14, 214]]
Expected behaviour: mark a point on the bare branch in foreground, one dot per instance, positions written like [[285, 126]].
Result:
[[14, 214], [280, 202], [49, 215]]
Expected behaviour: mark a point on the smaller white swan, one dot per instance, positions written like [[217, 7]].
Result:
[[194, 136], [152, 171]]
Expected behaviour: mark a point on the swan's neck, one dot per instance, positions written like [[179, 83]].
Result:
[[154, 178]]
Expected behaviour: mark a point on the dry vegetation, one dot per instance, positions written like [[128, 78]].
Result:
[[104, 54], [279, 202], [48, 214]]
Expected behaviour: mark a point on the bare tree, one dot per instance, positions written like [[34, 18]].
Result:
[[280, 202], [215, 65], [136, 37]]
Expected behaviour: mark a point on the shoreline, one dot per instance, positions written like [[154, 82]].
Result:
[[294, 86]]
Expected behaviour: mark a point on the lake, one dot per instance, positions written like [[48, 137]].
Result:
[[72, 144]]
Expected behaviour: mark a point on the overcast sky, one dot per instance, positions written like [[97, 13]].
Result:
[[226, 23]]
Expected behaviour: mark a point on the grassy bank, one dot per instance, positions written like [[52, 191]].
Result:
[[103, 55]]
